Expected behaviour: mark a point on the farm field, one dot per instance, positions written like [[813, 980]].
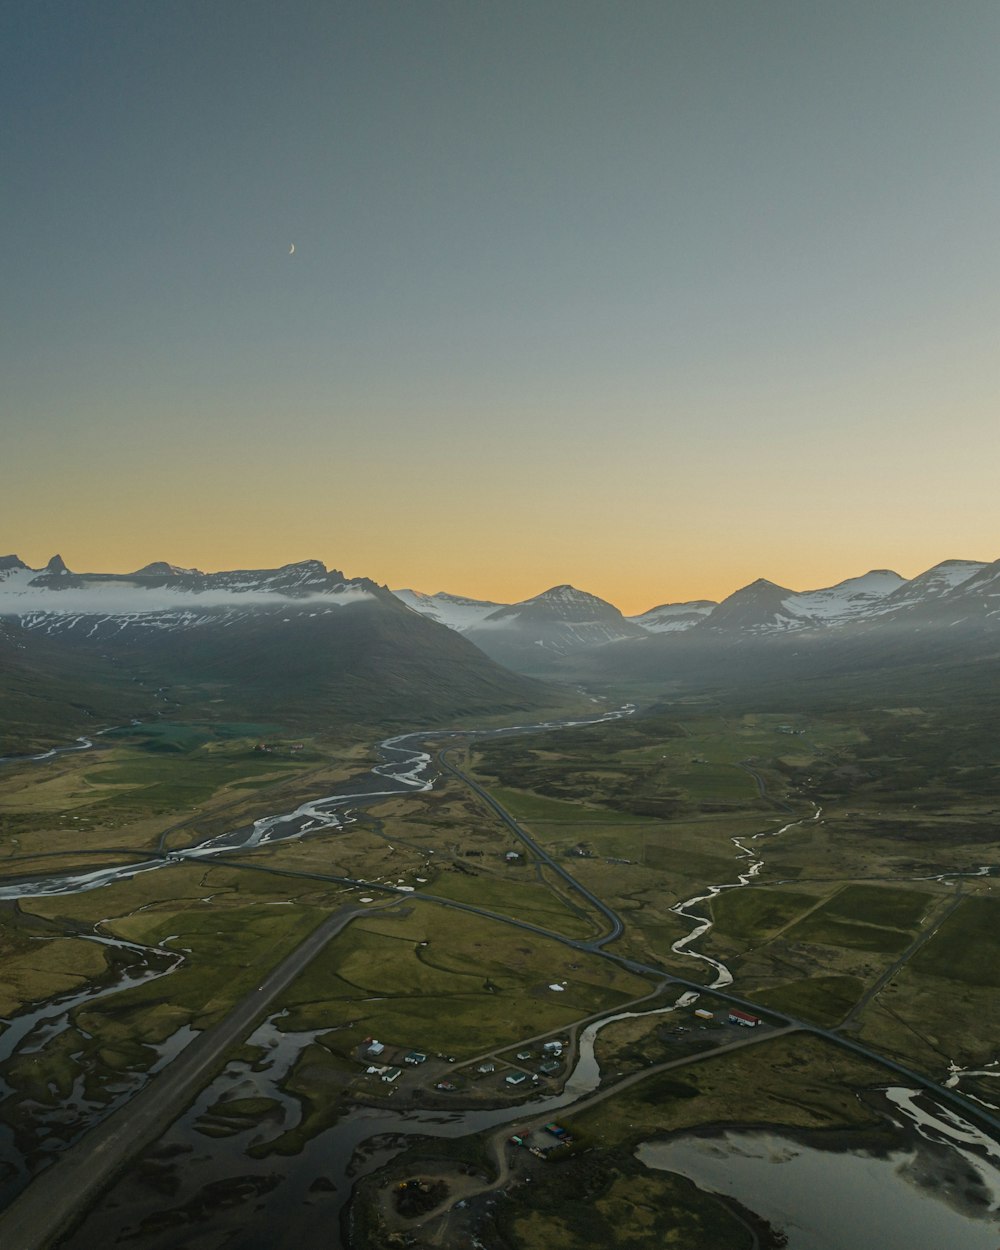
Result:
[[837, 904]]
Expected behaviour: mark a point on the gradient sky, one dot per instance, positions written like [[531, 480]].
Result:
[[653, 298]]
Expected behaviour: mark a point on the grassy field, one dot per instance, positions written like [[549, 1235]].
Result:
[[839, 898], [138, 783], [644, 812], [967, 946], [441, 980], [758, 913]]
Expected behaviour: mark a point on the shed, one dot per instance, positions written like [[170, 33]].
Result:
[[743, 1017]]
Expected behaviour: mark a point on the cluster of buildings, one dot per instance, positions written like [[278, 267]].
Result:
[[373, 1051]]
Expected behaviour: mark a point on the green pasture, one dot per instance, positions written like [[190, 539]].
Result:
[[754, 913], [234, 926], [823, 1000], [529, 900], [829, 930], [967, 945], [794, 1081], [178, 736], [719, 782], [529, 807], [36, 968], [867, 918], [161, 782], [881, 905], [476, 985]]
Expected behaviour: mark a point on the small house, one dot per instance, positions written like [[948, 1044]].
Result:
[[517, 1078], [702, 1014], [392, 1075]]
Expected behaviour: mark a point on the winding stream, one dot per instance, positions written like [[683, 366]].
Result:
[[404, 768], [231, 1170], [290, 1193]]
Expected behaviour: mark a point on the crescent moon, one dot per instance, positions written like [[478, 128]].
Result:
[[291, 250]]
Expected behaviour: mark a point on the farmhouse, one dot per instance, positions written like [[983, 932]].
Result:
[[743, 1017]]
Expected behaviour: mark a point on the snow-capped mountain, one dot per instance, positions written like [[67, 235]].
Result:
[[454, 611], [940, 582], [569, 634], [530, 635], [670, 617], [560, 621], [298, 643], [163, 596], [763, 607]]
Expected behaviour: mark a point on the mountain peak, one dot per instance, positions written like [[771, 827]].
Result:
[[56, 565]]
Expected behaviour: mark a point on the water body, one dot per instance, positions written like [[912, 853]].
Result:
[[702, 924], [197, 1189], [79, 744], [404, 768], [940, 1188], [45, 1130], [298, 1200]]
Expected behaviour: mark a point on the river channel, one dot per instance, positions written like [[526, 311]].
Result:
[[44, 1130], [210, 1182]]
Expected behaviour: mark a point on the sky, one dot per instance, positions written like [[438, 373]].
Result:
[[651, 298]]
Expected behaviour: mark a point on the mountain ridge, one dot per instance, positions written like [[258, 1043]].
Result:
[[298, 644]]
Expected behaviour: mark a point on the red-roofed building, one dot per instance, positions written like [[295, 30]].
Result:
[[743, 1017]]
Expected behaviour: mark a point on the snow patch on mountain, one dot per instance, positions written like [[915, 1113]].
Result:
[[668, 618], [940, 581], [454, 611], [848, 600], [121, 599], [56, 600]]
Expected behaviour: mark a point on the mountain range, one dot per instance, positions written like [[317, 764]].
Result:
[[541, 634], [296, 645], [302, 644]]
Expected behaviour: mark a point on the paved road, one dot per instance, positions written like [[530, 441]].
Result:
[[51, 1203], [615, 925], [968, 1108], [45, 1210]]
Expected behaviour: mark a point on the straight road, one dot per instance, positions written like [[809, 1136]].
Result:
[[71, 1184], [44, 1210], [615, 925]]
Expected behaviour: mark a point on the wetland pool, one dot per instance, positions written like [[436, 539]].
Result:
[[834, 1192]]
